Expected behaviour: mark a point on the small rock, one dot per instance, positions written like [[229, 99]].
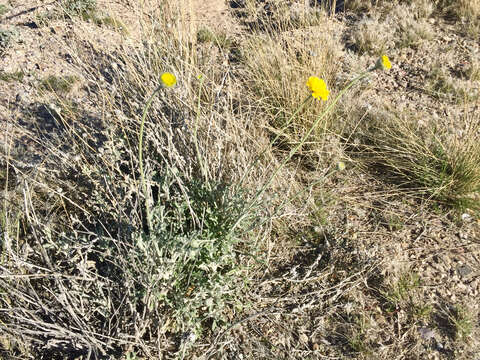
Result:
[[464, 270], [439, 346], [22, 97], [426, 333]]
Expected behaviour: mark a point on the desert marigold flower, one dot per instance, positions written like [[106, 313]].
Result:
[[168, 79], [383, 63], [318, 88]]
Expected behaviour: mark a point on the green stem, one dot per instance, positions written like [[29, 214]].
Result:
[[295, 196], [140, 154], [307, 99], [302, 141], [197, 148]]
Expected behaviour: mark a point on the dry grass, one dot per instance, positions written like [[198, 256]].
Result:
[[392, 27], [315, 263], [276, 71], [113, 275], [438, 159], [465, 11]]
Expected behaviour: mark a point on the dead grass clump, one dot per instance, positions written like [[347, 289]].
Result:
[[391, 27], [442, 85], [277, 70], [275, 16], [465, 12], [412, 26], [372, 35]]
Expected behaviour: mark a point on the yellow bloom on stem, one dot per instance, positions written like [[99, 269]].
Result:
[[318, 88], [383, 63], [168, 79]]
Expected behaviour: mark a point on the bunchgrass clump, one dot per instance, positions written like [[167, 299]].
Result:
[[465, 13], [400, 27], [443, 86], [461, 320], [412, 27], [112, 22], [437, 160], [79, 8], [60, 84], [205, 35], [277, 69], [473, 70], [372, 36], [278, 16], [358, 6], [12, 76], [6, 37], [87, 10], [401, 292], [3, 9]]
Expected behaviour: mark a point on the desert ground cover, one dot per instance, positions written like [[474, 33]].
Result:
[[302, 184]]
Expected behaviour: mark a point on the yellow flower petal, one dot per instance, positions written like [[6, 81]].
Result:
[[383, 63], [168, 79], [386, 62], [318, 88]]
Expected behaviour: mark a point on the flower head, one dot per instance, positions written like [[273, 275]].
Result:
[[340, 166], [318, 88], [383, 63], [168, 79]]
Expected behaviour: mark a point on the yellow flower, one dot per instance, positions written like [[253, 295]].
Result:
[[340, 166], [168, 79], [318, 88], [383, 63]]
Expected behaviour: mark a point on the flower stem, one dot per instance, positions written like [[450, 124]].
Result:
[[309, 98], [140, 155], [302, 141], [197, 148]]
